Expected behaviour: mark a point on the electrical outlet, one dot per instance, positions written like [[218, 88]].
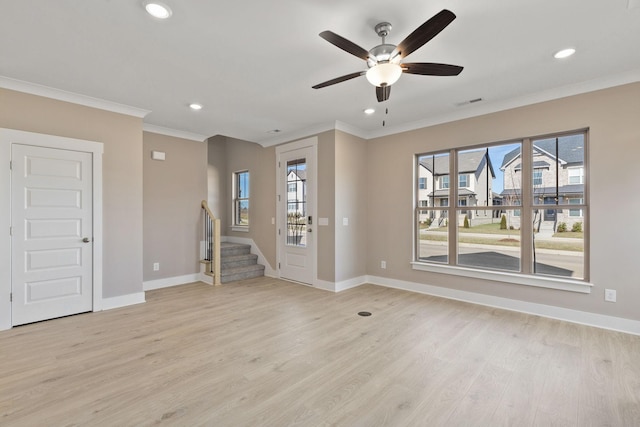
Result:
[[610, 295], [383, 264], [156, 266]]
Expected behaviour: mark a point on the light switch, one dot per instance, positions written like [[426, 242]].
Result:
[[345, 221]]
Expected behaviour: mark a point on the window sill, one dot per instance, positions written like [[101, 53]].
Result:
[[570, 285], [244, 229]]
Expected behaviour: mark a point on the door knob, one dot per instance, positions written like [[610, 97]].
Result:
[[86, 240]]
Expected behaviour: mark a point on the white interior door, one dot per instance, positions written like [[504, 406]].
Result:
[[52, 229], [297, 214]]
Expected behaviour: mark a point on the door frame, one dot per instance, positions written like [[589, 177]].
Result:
[[96, 149], [281, 149]]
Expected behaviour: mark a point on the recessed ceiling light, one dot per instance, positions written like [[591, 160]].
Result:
[[564, 53], [157, 9], [369, 111], [195, 106], [274, 131]]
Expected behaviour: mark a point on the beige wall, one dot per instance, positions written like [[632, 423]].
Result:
[[612, 117], [122, 174], [217, 177], [173, 191], [327, 206], [350, 203]]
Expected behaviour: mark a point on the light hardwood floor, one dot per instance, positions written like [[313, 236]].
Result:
[[268, 352]]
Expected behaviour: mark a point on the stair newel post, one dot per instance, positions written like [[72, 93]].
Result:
[[216, 252]]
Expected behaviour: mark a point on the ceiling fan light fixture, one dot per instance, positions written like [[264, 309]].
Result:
[[157, 9], [384, 74]]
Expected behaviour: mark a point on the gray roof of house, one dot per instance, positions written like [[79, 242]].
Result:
[[570, 149], [468, 162], [536, 165]]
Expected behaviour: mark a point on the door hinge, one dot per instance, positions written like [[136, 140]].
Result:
[[11, 297], [278, 231], [10, 230], [278, 197], [278, 164], [10, 165], [278, 266]]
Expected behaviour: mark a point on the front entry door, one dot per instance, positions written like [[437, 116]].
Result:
[[296, 225], [52, 227]]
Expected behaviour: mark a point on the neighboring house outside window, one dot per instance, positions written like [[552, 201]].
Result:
[[463, 180], [241, 199]]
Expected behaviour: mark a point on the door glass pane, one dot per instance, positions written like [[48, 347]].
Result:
[[297, 203], [558, 245]]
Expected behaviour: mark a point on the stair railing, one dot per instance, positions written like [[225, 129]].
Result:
[[211, 236]]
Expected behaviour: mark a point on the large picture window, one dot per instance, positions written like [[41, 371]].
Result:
[[522, 209], [241, 199]]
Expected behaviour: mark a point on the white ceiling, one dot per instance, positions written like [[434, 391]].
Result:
[[252, 63]]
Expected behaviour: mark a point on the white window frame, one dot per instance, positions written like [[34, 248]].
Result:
[[238, 198], [442, 182], [580, 175], [575, 201], [534, 178]]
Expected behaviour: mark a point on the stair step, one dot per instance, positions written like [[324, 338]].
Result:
[[241, 273], [232, 249], [234, 261]]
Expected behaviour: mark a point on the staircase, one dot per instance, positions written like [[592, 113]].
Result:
[[238, 263], [224, 262]]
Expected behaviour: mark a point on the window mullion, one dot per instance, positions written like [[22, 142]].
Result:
[[453, 207], [526, 219]]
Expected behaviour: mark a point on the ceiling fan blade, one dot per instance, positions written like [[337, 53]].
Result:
[[339, 79], [424, 33], [431, 69], [344, 44], [383, 92]]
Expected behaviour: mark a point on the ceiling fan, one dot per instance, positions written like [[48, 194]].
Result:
[[384, 60]]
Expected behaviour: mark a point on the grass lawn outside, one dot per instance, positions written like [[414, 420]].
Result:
[[510, 239]]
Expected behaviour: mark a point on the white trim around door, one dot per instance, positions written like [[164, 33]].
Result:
[[304, 252], [9, 137]]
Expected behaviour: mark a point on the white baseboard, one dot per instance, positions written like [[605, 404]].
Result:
[[268, 271], [122, 300], [350, 283], [325, 285], [574, 316], [170, 281]]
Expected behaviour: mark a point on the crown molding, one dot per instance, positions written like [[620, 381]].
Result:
[[75, 98], [174, 132], [480, 109]]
